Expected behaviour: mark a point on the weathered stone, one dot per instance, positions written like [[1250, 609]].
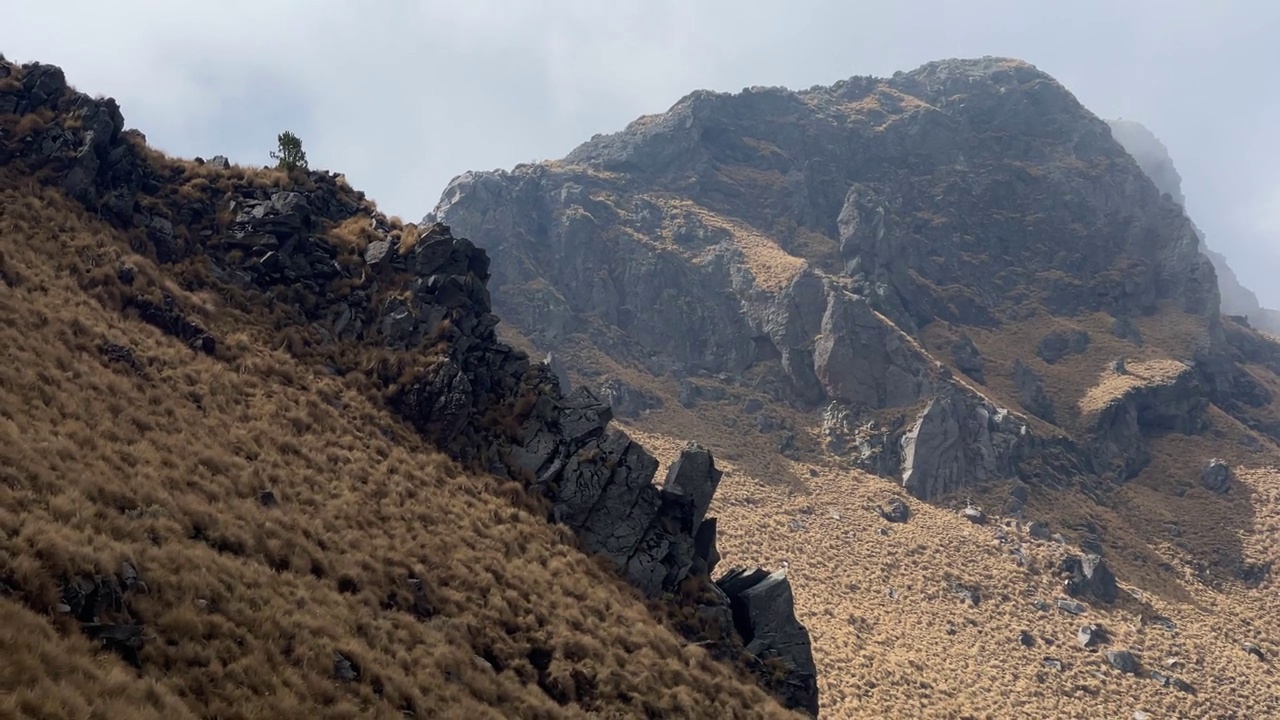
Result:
[[1038, 529], [1089, 576], [957, 439], [1216, 476], [764, 614], [967, 359], [1122, 660], [1090, 635], [377, 251], [897, 511], [1072, 607], [694, 474], [1060, 344], [628, 401], [1031, 392]]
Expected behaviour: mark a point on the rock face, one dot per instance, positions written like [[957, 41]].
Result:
[[956, 440], [1216, 476], [411, 309], [811, 240], [1089, 577], [1117, 431], [764, 614], [1153, 157], [1031, 392]]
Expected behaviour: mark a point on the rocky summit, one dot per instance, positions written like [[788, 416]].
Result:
[[955, 293]]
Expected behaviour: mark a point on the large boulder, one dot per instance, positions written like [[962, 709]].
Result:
[[1089, 577], [958, 438], [764, 615], [1216, 476]]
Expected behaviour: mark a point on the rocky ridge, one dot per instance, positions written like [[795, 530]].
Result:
[[410, 307], [806, 245], [1153, 157]]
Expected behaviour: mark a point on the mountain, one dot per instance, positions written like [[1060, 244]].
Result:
[[263, 455], [963, 364], [1153, 157]]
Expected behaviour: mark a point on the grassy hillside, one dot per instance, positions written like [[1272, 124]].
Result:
[[893, 638], [242, 533]]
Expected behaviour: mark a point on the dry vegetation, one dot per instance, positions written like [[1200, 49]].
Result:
[[120, 444], [771, 266], [891, 637], [1110, 386]]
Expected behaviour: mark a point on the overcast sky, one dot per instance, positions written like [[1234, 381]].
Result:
[[402, 96]]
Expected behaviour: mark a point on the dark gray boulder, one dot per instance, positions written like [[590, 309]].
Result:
[[1060, 344], [1031, 392], [628, 401], [967, 359], [1089, 576], [1122, 660], [959, 438], [896, 511], [764, 615], [1216, 476]]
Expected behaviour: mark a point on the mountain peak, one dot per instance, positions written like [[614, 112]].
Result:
[[950, 292]]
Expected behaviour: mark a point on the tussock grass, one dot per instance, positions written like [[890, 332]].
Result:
[[160, 462], [892, 640], [1111, 387]]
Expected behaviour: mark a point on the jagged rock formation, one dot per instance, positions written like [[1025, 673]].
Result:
[[408, 306], [764, 614], [809, 240], [1153, 157]]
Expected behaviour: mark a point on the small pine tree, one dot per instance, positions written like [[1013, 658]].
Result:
[[290, 155]]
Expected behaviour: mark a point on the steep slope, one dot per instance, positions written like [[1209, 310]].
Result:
[[957, 280], [224, 394], [1154, 158]]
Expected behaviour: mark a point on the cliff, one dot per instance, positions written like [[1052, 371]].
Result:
[[1153, 157]]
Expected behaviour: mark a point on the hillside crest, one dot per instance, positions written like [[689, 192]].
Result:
[[403, 313]]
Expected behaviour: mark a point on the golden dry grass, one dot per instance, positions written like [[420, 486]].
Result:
[[1111, 387], [160, 462], [771, 266], [892, 640]]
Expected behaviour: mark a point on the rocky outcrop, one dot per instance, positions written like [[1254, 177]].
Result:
[[1089, 577], [808, 239], [957, 439], [967, 359], [862, 360], [764, 615], [1117, 433], [1216, 476], [1031, 392], [1153, 157], [628, 401], [410, 309], [1061, 344]]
